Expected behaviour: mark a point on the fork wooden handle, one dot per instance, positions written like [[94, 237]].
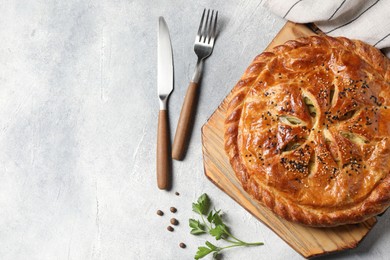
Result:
[[183, 130], [163, 163]]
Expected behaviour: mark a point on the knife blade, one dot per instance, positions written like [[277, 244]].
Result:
[[164, 88]]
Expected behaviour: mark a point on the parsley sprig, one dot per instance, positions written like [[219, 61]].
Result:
[[214, 226]]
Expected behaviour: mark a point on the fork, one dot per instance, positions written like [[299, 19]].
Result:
[[203, 47]]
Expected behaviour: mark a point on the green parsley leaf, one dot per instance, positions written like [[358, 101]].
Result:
[[202, 252], [211, 246], [202, 206], [210, 217], [218, 232], [196, 227], [216, 218]]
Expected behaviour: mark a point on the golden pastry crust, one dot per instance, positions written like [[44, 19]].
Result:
[[307, 131]]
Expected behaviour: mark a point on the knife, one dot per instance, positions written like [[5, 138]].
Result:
[[164, 88]]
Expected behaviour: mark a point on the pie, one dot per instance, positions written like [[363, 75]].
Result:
[[307, 131]]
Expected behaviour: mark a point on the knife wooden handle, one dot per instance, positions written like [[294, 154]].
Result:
[[183, 129], [163, 158]]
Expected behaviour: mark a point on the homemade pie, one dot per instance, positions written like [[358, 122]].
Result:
[[307, 131]]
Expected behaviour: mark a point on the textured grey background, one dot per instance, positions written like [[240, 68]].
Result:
[[78, 119]]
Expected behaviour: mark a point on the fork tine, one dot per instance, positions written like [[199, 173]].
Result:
[[214, 29], [204, 31], [209, 28], [215, 24], [199, 35]]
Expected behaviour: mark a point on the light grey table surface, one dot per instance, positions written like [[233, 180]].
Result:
[[78, 120]]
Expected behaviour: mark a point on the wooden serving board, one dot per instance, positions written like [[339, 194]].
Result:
[[307, 241]]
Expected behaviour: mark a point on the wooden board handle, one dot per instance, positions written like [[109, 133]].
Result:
[[183, 129], [163, 163]]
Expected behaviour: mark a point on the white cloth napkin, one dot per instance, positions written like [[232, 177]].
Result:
[[365, 20]]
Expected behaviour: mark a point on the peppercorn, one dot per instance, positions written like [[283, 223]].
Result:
[[160, 213], [169, 228], [174, 222]]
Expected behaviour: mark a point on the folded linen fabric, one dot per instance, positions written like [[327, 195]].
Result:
[[366, 20]]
